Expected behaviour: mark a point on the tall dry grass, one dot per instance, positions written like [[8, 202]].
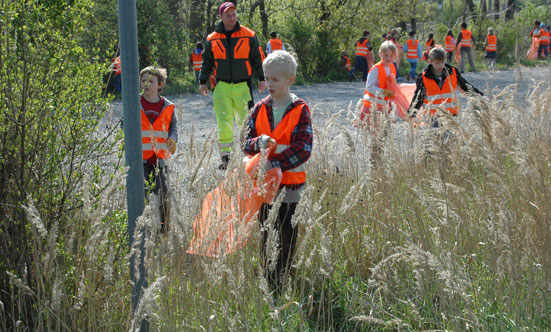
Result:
[[448, 229]]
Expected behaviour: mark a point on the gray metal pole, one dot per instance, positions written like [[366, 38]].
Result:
[[128, 39]]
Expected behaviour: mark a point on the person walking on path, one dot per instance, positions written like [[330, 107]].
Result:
[[233, 53], [429, 45], [449, 45], [196, 59], [543, 35], [274, 43], [466, 41], [412, 49], [363, 46], [491, 48], [117, 70]]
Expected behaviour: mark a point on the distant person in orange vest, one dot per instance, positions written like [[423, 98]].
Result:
[[345, 62], [159, 137], [412, 49], [282, 119], [437, 86], [363, 46], [491, 48], [449, 45], [274, 43], [195, 60], [117, 70], [543, 35], [466, 41], [429, 45]]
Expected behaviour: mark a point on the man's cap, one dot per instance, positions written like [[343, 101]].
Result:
[[225, 6]]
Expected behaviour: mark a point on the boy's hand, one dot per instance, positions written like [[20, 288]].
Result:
[[171, 145], [388, 93], [203, 89], [261, 86]]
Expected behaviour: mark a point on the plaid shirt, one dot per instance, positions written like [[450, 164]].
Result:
[[300, 148]]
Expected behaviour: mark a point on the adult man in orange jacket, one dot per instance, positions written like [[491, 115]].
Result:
[[466, 41]]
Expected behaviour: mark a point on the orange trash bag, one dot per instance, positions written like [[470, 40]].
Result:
[[458, 55], [532, 53], [403, 93], [225, 221]]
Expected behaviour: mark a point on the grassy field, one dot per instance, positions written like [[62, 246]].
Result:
[[442, 229]]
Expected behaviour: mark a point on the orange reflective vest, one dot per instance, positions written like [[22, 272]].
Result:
[[378, 98], [412, 49], [491, 43], [435, 98], [117, 65], [276, 44], [428, 45], [361, 48], [197, 60], [235, 63], [282, 134], [155, 135], [450, 46], [466, 38], [544, 37], [348, 65]]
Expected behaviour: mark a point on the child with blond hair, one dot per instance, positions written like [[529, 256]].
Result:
[[282, 119], [491, 48], [159, 136], [377, 91]]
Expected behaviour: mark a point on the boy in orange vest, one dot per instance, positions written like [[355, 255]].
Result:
[[196, 59], [491, 48], [436, 87], [159, 136], [412, 49], [466, 41], [282, 119], [274, 44]]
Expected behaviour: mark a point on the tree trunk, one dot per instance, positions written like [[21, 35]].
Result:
[[413, 23], [196, 19], [471, 6], [263, 18], [483, 8], [496, 10], [510, 13]]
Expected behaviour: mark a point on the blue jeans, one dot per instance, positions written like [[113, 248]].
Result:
[[543, 48], [118, 85], [361, 62], [413, 68], [397, 73]]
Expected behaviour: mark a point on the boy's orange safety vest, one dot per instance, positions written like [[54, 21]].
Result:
[[276, 44], [347, 65], [450, 46], [379, 100], [155, 135], [491, 43], [282, 135], [117, 67], [428, 45], [361, 48], [466, 39], [197, 60], [445, 97], [412, 49], [544, 37]]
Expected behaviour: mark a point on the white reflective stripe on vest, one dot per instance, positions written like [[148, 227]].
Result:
[[157, 146], [440, 96], [280, 148], [225, 145], [465, 42], [154, 133]]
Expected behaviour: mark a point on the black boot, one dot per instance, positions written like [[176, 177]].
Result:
[[224, 164]]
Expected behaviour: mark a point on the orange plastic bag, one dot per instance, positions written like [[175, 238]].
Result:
[[225, 221], [403, 93], [532, 53], [458, 55]]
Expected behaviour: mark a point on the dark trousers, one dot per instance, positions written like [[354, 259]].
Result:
[[361, 62], [449, 54], [543, 49], [118, 84], [287, 238], [156, 179]]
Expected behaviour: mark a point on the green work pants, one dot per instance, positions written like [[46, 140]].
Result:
[[231, 101]]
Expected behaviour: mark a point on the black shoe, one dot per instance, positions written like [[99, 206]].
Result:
[[224, 164]]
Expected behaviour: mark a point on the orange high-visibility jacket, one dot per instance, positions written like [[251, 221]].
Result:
[[450, 46], [155, 135], [282, 135], [445, 97], [117, 67], [348, 65], [197, 59], [491, 44], [466, 38], [544, 37], [428, 45], [412, 48], [378, 98], [361, 48], [276, 44]]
